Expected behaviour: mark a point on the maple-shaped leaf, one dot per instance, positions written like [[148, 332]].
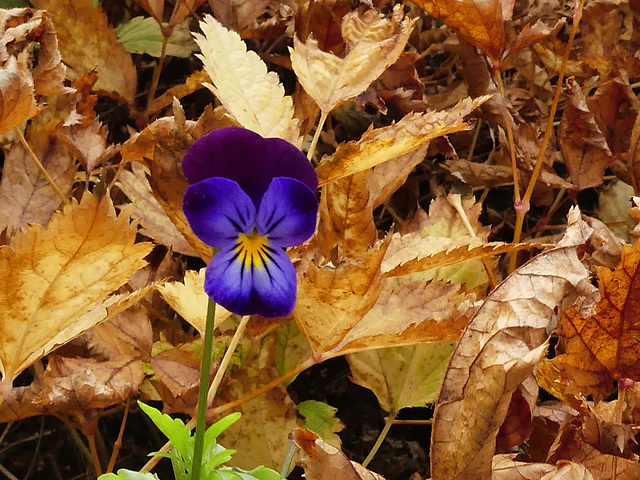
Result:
[[499, 349], [323, 461], [374, 42], [57, 283], [253, 96], [99, 49], [600, 347]]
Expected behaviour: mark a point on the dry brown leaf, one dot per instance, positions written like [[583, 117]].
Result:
[[505, 467], [99, 49], [322, 461], [154, 221], [499, 349], [374, 43], [322, 20], [26, 196], [480, 22], [584, 147], [600, 347], [17, 101], [334, 298], [56, 283]]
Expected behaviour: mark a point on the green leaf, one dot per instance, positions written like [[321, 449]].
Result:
[[143, 35], [7, 4], [291, 350], [320, 418], [124, 474], [173, 428]]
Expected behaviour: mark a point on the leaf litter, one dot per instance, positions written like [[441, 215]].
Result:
[[425, 123]]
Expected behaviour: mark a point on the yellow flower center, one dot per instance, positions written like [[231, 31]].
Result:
[[253, 250]]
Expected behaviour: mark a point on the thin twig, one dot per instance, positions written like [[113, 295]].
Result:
[[380, 439], [117, 445], [316, 135]]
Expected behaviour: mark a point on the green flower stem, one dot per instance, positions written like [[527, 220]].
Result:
[[380, 439], [202, 395], [287, 461]]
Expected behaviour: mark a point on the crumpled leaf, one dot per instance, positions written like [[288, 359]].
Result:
[[322, 461], [99, 49], [499, 349], [57, 283], [253, 96], [373, 43], [600, 347]]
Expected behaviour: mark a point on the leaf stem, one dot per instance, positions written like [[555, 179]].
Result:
[[380, 439], [44, 173], [201, 416], [287, 461], [520, 213], [316, 135]]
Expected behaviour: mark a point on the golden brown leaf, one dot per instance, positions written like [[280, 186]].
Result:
[[480, 22], [99, 49], [498, 350], [333, 298], [601, 347], [56, 283], [374, 42], [322, 461], [584, 147]]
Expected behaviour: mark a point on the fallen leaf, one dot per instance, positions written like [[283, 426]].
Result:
[[56, 283], [190, 301], [144, 35], [613, 208], [99, 49], [26, 196], [480, 22], [373, 43], [600, 347], [322, 461], [401, 377], [584, 147], [253, 96], [321, 418], [501, 346]]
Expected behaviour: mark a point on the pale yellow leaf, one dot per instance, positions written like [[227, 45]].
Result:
[[56, 283], [501, 346], [253, 96], [374, 43], [407, 376], [154, 221], [98, 49], [189, 300]]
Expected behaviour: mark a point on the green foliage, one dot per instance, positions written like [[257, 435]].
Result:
[[181, 453], [321, 419]]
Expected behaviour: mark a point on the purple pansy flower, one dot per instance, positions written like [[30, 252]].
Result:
[[251, 197]]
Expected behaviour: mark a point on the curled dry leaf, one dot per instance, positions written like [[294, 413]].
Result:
[[374, 42], [99, 49], [322, 461], [500, 348], [600, 347], [253, 96], [57, 283], [584, 147]]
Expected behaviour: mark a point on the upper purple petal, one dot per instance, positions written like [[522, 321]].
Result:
[[218, 210], [287, 213], [248, 159]]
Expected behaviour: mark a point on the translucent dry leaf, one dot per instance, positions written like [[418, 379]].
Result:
[[500, 348], [400, 377], [57, 283], [374, 42], [253, 96], [17, 101], [322, 461], [99, 49], [189, 300], [600, 347]]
